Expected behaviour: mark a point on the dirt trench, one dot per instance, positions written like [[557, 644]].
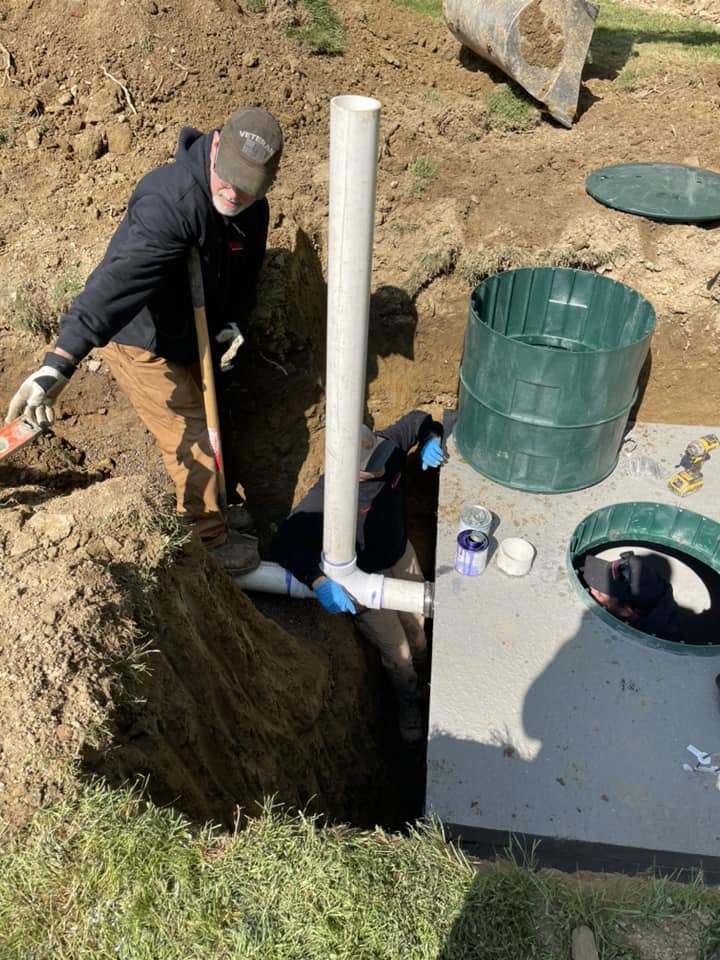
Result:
[[125, 659]]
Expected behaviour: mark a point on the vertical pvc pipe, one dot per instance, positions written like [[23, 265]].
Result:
[[354, 130]]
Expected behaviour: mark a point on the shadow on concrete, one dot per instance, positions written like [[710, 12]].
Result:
[[568, 795]]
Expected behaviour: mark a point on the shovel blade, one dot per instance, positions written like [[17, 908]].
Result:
[[16, 434]]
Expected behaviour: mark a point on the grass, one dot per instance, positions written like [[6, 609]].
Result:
[[432, 97], [34, 307], [426, 8], [510, 109], [322, 32], [485, 262], [422, 170], [104, 873], [624, 32], [432, 263]]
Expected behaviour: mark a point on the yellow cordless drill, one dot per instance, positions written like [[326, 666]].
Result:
[[690, 478]]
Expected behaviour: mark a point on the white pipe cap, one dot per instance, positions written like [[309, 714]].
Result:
[[515, 556]]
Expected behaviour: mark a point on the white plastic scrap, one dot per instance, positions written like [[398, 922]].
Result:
[[704, 761]]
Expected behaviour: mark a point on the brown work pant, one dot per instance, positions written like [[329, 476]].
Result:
[[168, 400], [397, 635]]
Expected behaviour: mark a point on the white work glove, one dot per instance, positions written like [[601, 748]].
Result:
[[37, 394], [230, 333]]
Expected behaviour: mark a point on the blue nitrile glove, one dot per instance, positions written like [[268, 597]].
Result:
[[334, 598], [431, 453]]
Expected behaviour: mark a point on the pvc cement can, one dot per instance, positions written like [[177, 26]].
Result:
[[475, 517], [471, 552]]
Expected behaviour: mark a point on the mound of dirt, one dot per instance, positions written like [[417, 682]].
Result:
[[123, 657]]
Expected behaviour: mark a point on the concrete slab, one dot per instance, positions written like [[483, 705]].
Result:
[[547, 721]]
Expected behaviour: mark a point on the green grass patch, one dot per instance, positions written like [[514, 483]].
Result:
[[427, 8], [510, 109], [623, 32], [432, 97], [34, 307], [433, 263], [422, 170], [486, 262], [322, 30], [633, 78], [104, 873]]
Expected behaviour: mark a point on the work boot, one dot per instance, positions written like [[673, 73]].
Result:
[[239, 554], [410, 718], [239, 518]]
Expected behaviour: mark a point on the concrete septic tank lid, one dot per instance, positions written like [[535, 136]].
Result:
[[641, 526], [546, 720]]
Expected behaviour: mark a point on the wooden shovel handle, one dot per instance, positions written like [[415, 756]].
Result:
[[206, 371]]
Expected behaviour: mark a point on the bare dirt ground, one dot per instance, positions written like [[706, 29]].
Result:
[[92, 96]]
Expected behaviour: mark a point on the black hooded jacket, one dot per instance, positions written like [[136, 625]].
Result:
[[140, 293], [381, 535]]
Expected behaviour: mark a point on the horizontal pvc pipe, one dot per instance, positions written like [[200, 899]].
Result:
[[371, 590], [354, 131], [272, 578]]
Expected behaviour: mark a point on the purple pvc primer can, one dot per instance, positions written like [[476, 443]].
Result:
[[471, 552]]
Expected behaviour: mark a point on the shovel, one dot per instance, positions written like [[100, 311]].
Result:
[[206, 372]]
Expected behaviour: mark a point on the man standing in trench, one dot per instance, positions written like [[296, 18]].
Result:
[[137, 306], [382, 546]]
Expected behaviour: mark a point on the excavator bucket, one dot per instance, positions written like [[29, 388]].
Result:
[[541, 44]]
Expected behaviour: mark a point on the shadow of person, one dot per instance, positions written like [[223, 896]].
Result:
[[578, 774]]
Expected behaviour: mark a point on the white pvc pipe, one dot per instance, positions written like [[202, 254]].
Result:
[[369, 589], [354, 131], [272, 578]]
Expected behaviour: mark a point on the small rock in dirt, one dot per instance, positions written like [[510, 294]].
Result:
[[48, 616], [64, 732], [119, 138], [51, 527], [32, 138], [90, 144], [93, 365], [101, 104], [250, 60], [23, 543], [390, 58], [583, 944], [152, 8]]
